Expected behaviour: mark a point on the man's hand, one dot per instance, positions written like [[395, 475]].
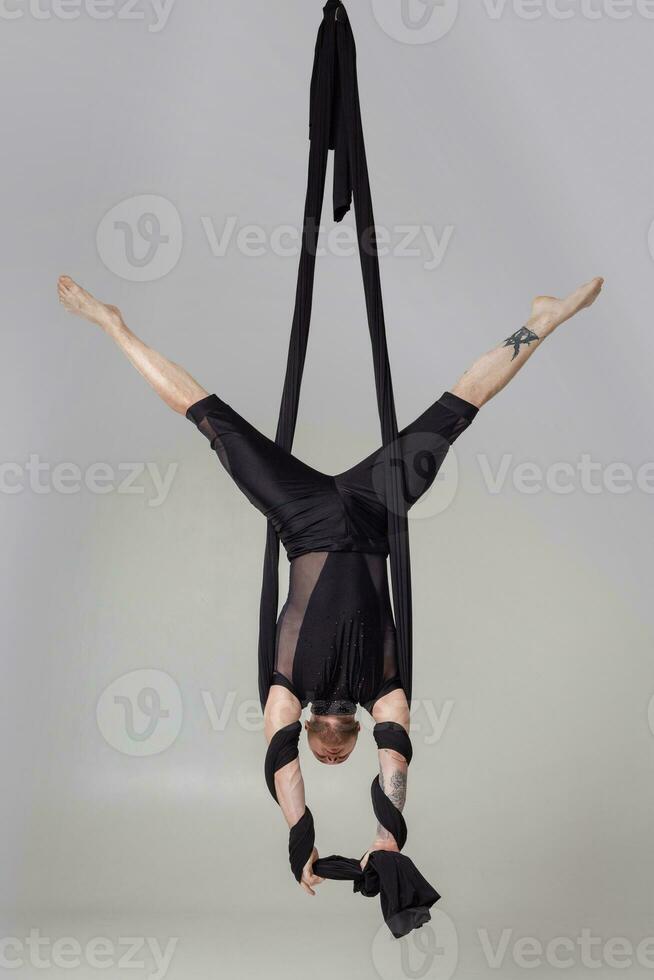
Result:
[[387, 844], [309, 879]]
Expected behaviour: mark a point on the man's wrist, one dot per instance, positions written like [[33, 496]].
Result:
[[385, 844]]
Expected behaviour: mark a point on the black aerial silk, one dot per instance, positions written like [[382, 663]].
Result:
[[405, 895], [335, 123], [336, 643], [338, 530]]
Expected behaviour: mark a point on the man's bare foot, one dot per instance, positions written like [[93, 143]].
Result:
[[77, 300], [550, 311]]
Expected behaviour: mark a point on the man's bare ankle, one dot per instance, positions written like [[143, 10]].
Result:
[[112, 322], [542, 324]]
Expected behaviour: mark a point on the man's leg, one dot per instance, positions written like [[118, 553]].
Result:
[[174, 385], [494, 370], [270, 477]]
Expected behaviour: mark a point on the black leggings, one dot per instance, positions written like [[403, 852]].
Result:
[[312, 511]]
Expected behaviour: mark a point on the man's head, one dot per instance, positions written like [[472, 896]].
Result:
[[332, 737]]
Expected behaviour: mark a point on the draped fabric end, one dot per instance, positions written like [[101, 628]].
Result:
[[335, 124], [406, 897]]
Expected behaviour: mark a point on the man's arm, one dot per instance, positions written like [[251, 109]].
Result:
[[393, 767], [282, 709]]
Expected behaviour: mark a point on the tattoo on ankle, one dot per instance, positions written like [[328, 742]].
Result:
[[522, 336]]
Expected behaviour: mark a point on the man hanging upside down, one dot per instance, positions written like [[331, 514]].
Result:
[[335, 634]]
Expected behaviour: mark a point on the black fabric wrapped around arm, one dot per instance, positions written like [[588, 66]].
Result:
[[388, 814], [283, 749], [301, 842], [390, 735]]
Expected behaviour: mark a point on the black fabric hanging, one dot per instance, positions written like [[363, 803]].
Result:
[[335, 123]]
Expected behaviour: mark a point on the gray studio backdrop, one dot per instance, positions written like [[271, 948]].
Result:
[[157, 153]]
